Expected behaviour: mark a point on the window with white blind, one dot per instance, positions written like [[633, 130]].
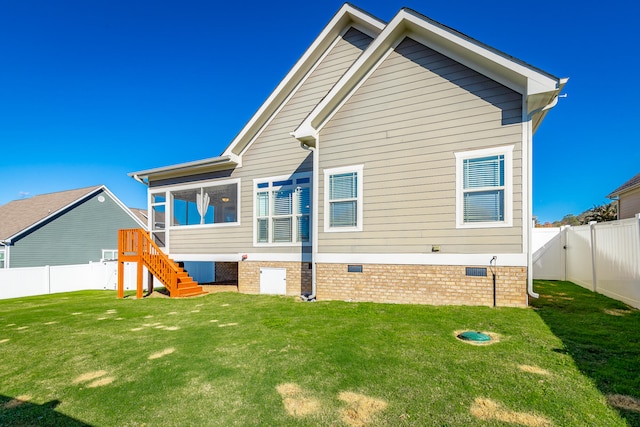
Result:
[[343, 199], [483, 187], [282, 210]]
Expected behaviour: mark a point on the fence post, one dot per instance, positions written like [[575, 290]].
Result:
[[47, 277], [638, 227], [564, 256], [592, 229]]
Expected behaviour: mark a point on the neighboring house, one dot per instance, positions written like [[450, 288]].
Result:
[[392, 164], [628, 198], [68, 227]]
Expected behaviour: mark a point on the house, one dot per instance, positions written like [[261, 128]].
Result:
[[628, 198], [391, 164], [68, 227]]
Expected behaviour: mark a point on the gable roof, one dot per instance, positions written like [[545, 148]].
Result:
[[539, 88], [348, 16], [19, 216], [632, 184]]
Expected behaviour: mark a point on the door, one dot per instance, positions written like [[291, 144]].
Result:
[[273, 281]]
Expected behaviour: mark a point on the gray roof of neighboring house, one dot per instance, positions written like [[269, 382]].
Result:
[[140, 213], [629, 185], [22, 214]]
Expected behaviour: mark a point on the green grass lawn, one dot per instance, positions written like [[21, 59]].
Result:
[[227, 359]]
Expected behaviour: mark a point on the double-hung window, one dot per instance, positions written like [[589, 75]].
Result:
[[483, 187], [343, 198], [282, 209], [2, 258]]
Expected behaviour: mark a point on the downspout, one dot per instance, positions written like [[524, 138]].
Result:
[[314, 214], [529, 221]]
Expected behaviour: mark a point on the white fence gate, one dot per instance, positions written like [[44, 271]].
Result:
[[22, 282], [603, 257]]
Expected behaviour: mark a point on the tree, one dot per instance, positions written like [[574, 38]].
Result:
[[602, 213]]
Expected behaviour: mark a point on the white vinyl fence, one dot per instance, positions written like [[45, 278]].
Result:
[[603, 257], [22, 282]]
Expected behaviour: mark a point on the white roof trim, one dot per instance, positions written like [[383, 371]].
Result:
[[346, 16], [229, 160], [513, 73], [124, 207], [69, 205]]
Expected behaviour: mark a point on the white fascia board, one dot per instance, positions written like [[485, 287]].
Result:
[[505, 70], [250, 257], [503, 260], [52, 214], [124, 207], [481, 57], [346, 16], [312, 124], [224, 161]]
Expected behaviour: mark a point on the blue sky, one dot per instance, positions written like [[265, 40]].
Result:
[[92, 90]]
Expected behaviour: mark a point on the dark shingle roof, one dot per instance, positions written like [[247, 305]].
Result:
[[632, 183], [20, 215]]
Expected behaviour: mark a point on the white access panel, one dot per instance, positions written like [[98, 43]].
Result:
[[273, 281]]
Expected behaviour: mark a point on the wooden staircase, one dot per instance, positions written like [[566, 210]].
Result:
[[136, 245]]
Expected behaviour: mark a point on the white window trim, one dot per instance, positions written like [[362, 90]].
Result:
[[359, 169], [507, 151], [3, 251], [150, 223], [113, 251], [270, 179], [199, 184]]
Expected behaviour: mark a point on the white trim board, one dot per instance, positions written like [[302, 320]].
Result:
[[503, 260], [251, 257]]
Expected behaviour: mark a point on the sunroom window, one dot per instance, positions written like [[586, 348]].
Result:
[[213, 204], [283, 206], [158, 218], [484, 187]]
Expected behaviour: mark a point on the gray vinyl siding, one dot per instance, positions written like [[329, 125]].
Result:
[[77, 236], [404, 125], [629, 204], [274, 153]]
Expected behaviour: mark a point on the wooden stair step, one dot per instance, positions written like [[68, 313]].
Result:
[[188, 292]]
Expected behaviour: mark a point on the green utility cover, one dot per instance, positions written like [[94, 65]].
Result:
[[474, 336]]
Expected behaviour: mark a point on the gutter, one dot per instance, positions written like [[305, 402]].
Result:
[[189, 168]]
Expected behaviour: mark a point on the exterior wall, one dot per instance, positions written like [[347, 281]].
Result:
[[421, 284], [273, 153], [404, 124], [77, 236], [629, 204], [298, 276]]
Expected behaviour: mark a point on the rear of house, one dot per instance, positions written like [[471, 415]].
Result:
[[392, 164]]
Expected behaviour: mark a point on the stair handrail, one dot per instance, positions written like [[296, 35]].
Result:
[[136, 242]]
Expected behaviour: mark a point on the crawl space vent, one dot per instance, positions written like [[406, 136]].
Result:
[[477, 271]]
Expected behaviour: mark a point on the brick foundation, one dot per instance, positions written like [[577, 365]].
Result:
[[298, 276], [421, 284]]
